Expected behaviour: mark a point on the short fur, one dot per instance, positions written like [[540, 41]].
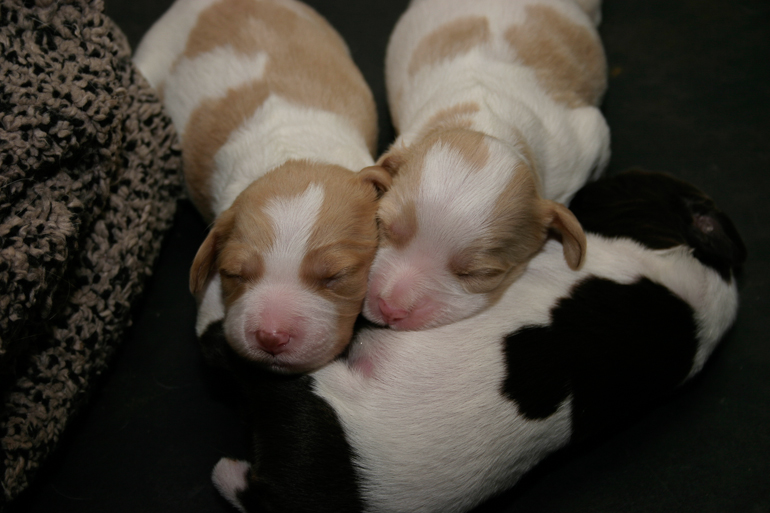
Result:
[[273, 116], [442, 419], [496, 105]]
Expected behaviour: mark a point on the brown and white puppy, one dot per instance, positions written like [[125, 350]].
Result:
[[273, 115], [495, 102]]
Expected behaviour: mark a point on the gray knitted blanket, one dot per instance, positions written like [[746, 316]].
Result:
[[89, 180]]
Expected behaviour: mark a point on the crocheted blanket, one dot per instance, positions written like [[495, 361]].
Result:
[[88, 186]]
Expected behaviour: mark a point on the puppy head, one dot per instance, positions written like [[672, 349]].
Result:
[[293, 253], [459, 225], [660, 212]]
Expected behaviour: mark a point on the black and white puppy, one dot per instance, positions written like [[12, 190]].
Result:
[[442, 419]]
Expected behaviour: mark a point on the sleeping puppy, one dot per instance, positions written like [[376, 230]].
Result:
[[442, 419], [495, 102], [273, 115]]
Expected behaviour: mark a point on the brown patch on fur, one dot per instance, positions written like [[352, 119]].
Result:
[[516, 232], [450, 40], [308, 64], [239, 260], [399, 228], [452, 120], [378, 176], [472, 146], [209, 127], [568, 58], [458, 116], [205, 262], [240, 266], [391, 161], [340, 250], [342, 245], [573, 239], [398, 213]]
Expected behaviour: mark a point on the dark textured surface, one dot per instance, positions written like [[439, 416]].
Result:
[[88, 186], [688, 94]]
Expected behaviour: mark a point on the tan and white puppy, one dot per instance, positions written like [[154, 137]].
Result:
[[273, 116], [495, 102]]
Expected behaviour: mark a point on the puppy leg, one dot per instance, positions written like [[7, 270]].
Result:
[[230, 479]]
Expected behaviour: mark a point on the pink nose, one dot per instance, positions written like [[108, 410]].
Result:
[[273, 342], [390, 314]]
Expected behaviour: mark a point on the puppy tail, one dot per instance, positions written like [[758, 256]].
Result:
[[230, 479]]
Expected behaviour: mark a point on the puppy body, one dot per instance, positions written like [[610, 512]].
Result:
[[495, 103], [442, 419], [273, 116]]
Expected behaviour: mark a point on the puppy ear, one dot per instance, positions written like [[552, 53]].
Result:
[[205, 261], [392, 160], [573, 238], [377, 176]]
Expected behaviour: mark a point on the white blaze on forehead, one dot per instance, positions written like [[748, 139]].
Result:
[[455, 201], [293, 219], [225, 69]]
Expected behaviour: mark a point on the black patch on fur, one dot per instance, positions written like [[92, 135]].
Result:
[[661, 212], [302, 461], [613, 347]]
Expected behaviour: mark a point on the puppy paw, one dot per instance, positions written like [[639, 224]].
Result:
[[229, 478]]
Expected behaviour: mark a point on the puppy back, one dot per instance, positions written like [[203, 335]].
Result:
[[225, 60], [543, 46]]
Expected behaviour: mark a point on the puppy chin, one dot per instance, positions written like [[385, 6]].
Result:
[[302, 354]]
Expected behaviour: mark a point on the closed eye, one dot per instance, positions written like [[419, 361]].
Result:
[[480, 274], [228, 275], [331, 280]]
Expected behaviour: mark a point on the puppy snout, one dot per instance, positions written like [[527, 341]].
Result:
[[272, 342], [392, 314]]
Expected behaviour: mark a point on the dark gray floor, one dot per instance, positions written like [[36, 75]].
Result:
[[690, 94]]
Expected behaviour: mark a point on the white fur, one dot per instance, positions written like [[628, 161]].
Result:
[[229, 478], [211, 307], [424, 412], [293, 220], [464, 199]]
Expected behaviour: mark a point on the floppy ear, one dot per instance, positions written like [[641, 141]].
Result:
[[573, 238], [392, 159], [381, 174], [377, 176], [204, 263]]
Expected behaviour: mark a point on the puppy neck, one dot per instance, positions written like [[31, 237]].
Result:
[[279, 132]]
